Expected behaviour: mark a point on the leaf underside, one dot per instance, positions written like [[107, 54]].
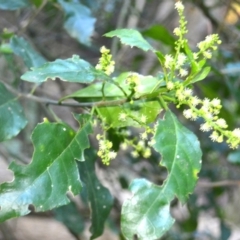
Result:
[[52, 173], [147, 214]]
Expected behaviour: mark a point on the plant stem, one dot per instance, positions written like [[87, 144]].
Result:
[[162, 103]]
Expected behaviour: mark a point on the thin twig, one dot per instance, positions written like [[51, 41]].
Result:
[[71, 104], [224, 183]]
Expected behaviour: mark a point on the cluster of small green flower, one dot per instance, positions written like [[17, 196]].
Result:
[[106, 64], [208, 110], [105, 151], [133, 82], [142, 146], [179, 62]]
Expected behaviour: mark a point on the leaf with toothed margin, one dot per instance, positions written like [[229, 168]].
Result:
[[147, 213], [52, 173], [12, 119], [131, 37], [181, 155], [71, 70]]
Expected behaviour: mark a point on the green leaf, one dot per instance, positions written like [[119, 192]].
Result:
[[12, 119], [181, 155], [70, 217], [13, 4], [93, 92], [150, 109], [52, 173], [29, 55], [131, 37], [79, 22], [99, 197], [160, 56], [188, 51], [72, 70], [159, 33], [147, 214], [202, 75], [112, 91]]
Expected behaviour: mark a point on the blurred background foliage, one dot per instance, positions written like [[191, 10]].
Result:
[[35, 31]]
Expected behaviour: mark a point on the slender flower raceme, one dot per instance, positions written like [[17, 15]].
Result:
[[105, 64], [105, 151]]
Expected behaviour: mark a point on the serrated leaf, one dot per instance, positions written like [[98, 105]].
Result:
[[147, 214], [181, 155], [99, 197], [79, 22], [29, 55], [12, 119], [52, 173], [202, 75], [72, 70], [70, 217], [13, 4], [131, 37]]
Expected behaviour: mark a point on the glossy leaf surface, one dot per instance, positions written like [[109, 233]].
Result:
[[99, 197], [130, 37], [12, 119], [147, 214], [79, 22], [72, 70], [29, 55], [52, 173]]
